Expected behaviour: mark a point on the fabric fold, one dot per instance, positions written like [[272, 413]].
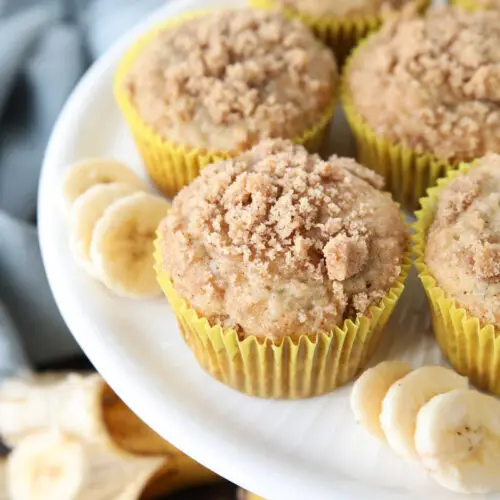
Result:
[[25, 293], [17, 36]]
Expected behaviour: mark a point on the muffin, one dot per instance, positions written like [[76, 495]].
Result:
[[458, 255], [341, 24], [282, 268], [204, 88], [422, 95]]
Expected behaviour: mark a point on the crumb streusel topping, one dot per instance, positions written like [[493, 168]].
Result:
[[228, 79], [433, 83], [278, 242], [463, 243], [343, 8]]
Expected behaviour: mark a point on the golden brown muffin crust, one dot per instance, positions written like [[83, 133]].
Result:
[[463, 243], [433, 83], [278, 242], [343, 8], [227, 79]]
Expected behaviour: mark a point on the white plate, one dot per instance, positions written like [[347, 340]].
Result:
[[278, 449]]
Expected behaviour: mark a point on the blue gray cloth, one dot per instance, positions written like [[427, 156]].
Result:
[[45, 47]]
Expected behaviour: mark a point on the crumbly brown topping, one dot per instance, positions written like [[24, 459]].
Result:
[[282, 242], [458, 198], [345, 256], [433, 83], [463, 244], [342, 8], [225, 80]]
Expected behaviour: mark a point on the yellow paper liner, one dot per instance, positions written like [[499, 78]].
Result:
[[172, 166], [289, 368], [341, 35], [471, 347], [407, 173]]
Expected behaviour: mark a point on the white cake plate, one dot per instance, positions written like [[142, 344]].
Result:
[[310, 449]]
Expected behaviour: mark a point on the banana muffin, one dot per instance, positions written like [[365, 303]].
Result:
[[277, 242], [432, 83], [463, 244], [224, 80]]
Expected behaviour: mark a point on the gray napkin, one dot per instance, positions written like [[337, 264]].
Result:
[[55, 64], [17, 36], [12, 354], [25, 294], [45, 47]]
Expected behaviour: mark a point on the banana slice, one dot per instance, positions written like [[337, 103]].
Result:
[[52, 466], [81, 405], [405, 398], [369, 391], [85, 407], [81, 176], [86, 211], [458, 440], [32, 404], [123, 244]]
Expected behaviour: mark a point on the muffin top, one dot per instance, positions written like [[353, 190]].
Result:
[[463, 243], [342, 8], [227, 79], [278, 242], [433, 83]]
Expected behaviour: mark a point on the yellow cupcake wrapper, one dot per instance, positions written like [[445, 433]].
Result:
[[341, 35], [289, 368], [472, 348], [407, 173], [172, 166]]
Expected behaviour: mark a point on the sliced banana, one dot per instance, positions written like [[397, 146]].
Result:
[[81, 176], [458, 440], [37, 403], [404, 400], [123, 244], [83, 406], [86, 211], [369, 391], [52, 466]]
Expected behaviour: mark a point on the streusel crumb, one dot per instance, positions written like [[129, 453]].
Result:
[[278, 242], [225, 80], [463, 243], [433, 83]]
